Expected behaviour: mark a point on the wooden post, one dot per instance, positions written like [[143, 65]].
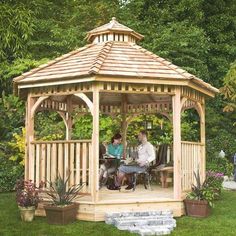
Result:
[[203, 140], [95, 145], [176, 104], [29, 157], [69, 118], [124, 124]]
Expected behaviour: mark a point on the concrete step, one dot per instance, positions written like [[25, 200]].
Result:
[[140, 213], [143, 223]]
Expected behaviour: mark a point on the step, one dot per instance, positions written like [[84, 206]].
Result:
[[152, 227], [140, 213], [134, 222], [143, 223], [116, 221], [110, 217]]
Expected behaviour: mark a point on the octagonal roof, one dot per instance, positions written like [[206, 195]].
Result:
[[114, 54]]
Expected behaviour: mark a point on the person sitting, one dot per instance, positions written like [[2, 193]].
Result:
[[115, 151], [145, 155]]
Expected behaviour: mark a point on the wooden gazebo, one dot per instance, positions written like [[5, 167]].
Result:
[[111, 75]]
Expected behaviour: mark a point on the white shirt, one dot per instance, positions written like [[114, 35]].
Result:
[[146, 153]]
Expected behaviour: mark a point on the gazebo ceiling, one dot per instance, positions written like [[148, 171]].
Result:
[[109, 57]]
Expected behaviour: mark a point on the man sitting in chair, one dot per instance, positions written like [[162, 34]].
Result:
[[145, 155]]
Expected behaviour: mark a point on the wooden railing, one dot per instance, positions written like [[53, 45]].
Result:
[[48, 159], [191, 160]]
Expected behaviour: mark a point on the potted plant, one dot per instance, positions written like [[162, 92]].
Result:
[[214, 180], [62, 210], [200, 199], [27, 198]]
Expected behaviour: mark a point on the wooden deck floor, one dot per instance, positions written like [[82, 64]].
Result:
[[139, 195]]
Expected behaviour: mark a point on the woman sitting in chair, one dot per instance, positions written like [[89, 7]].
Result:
[[112, 160]]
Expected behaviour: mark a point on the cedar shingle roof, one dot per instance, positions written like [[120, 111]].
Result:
[[109, 58]]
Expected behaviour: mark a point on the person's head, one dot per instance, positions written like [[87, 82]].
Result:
[[116, 139], [142, 136]]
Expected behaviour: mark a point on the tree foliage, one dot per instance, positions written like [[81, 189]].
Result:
[[229, 89], [198, 35], [16, 29]]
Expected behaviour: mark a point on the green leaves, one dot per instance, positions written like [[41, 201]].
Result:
[[229, 89], [9, 70], [201, 191], [16, 28], [185, 45], [11, 116]]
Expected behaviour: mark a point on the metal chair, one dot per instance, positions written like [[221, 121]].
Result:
[[146, 180]]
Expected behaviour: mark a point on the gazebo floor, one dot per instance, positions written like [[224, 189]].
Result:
[[114, 201], [139, 195]]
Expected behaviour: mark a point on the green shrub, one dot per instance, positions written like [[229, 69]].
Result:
[[219, 164], [10, 171], [222, 141]]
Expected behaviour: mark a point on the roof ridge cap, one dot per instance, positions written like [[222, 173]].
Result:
[[96, 66], [166, 63], [51, 62], [111, 24]]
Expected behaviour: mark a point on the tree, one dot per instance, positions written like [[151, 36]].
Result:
[[229, 89], [16, 28]]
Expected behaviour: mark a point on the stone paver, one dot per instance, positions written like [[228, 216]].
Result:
[[231, 185], [143, 223]]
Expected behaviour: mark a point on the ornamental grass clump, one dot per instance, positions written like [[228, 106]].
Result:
[[60, 194]]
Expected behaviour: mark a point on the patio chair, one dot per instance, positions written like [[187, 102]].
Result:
[[146, 178], [147, 173]]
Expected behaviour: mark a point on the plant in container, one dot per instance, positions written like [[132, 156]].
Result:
[[27, 198], [200, 199], [214, 180], [62, 210]]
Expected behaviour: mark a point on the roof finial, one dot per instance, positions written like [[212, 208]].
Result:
[[113, 18]]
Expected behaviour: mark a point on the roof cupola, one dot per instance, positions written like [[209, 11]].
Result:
[[113, 31]]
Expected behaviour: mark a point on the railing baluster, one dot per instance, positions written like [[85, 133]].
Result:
[[72, 163], [42, 163], [53, 173], [77, 163], [60, 159], [48, 166], [37, 175], [84, 165]]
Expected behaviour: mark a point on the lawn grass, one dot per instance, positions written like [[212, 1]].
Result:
[[221, 222]]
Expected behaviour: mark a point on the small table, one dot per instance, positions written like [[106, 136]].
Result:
[[165, 175]]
